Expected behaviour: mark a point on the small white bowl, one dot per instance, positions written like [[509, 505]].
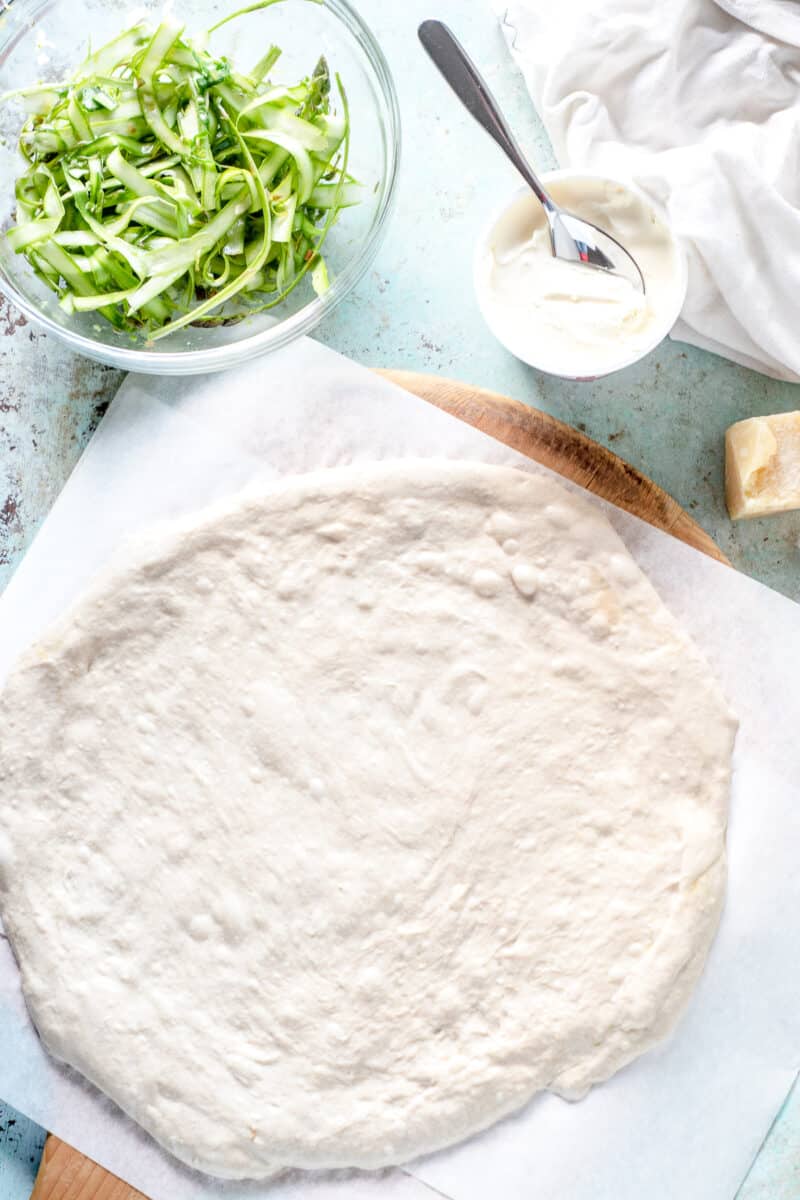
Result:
[[529, 352]]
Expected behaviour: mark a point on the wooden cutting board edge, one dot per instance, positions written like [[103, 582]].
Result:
[[66, 1174], [563, 449]]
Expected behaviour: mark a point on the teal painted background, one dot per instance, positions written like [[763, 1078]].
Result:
[[415, 309]]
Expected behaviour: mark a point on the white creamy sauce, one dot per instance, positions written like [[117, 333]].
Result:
[[567, 318]]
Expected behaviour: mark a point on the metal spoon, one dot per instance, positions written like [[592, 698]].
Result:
[[570, 237]]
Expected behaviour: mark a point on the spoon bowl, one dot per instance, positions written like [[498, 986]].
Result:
[[576, 240]]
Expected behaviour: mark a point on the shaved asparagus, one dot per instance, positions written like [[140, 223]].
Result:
[[163, 186]]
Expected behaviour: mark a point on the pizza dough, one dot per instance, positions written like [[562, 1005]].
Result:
[[339, 820]]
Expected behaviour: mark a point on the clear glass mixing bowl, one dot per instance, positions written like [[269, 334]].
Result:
[[44, 40]]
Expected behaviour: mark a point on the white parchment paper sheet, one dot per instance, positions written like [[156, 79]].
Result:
[[686, 1120]]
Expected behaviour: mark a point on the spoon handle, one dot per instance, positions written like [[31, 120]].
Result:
[[458, 69]]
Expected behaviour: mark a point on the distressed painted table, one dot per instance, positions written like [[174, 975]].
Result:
[[415, 310]]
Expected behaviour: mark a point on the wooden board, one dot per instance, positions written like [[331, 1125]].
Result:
[[65, 1174], [562, 449]]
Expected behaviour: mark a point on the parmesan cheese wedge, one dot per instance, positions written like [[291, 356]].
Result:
[[762, 465]]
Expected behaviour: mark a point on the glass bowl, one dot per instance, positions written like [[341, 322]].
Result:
[[43, 40]]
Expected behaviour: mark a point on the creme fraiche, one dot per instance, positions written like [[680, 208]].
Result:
[[567, 319]]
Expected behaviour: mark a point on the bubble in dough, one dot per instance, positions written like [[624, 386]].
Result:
[[298, 879]]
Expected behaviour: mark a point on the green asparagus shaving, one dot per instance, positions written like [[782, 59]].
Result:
[[163, 186]]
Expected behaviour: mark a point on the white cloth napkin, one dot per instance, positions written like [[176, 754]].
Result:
[[698, 102]]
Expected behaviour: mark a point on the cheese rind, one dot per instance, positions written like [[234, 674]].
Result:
[[762, 465]]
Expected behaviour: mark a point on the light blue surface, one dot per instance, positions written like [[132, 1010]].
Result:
[[667, 415], [20, 1151]]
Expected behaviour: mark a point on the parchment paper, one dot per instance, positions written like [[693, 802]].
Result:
[[684, 1121]]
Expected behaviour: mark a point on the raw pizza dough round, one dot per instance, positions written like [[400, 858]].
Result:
[[343, 818]]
